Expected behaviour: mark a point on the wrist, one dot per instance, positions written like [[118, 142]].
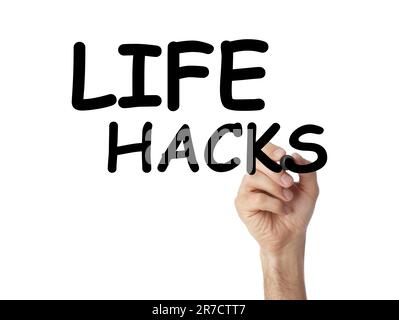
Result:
[[283, 271], [294, 248]]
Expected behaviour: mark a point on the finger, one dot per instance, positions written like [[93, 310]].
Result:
[[260, 181], [275, 153], [307, 181], [258, 201]]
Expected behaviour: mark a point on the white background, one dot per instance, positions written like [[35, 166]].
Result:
[[70, 229]]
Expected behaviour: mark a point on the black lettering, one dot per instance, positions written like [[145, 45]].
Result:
[[255, 148], [138, 98], [78, 85], [175, 72], [307, 146], [228, 74], [144, 147], [171, 153], [236, 129]]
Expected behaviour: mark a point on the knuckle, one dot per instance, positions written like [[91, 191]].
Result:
[[258, 199], [317, 190], [277, 190], [269, 148], [280, 206], [244, 180], [277, 204], [247, 179], [237, 203]]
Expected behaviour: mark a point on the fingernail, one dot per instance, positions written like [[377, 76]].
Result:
[[287, 180], [288, 195], [278, 153], [296, 155]]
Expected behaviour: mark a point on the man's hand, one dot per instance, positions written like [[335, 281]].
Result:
[[276, 211]]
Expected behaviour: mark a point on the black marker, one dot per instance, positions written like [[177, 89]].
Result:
[[284, 159]]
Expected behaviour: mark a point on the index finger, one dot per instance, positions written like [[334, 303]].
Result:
[[275, 153]]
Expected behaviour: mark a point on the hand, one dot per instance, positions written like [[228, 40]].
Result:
[[277, 211]]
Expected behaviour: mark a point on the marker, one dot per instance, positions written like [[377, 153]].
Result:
[[284, 159]]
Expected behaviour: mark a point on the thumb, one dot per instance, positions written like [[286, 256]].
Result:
[[307, 181]]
